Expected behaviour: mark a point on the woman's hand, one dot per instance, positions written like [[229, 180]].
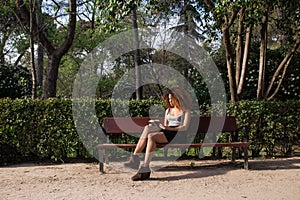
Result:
[[162, 126]]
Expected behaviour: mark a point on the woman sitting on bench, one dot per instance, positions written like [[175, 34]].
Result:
[[177, 118]]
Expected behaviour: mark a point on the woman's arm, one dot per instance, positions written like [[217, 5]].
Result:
[[165, 119]]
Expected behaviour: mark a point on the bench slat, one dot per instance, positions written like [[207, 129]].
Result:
[[213, 124], [228, 144], [124, 125]]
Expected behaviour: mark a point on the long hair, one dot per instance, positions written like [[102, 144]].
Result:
[[181, 98], [175, 99]]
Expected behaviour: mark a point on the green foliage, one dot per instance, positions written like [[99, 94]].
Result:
[[112, 11], [45, 129], [38, 129], [15, 81], [274, 125]]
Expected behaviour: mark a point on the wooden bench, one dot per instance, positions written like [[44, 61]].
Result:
[[123, 125]]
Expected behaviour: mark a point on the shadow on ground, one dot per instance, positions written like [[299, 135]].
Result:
[[216, 168], [275, 164]]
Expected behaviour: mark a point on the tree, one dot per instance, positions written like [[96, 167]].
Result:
[[31, 41], [225, 14], [121, 9], [53, 52], [236, 21], [287, 23], [91, 30], [12, 43], [40, 52], [137, 57]]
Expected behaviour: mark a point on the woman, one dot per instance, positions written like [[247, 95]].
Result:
[[177, 118]]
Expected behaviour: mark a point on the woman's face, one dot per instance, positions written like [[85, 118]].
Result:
[[171, 100]]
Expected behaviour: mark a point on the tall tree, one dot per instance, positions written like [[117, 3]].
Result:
[[225, 21], [137, 57], [53, 52], [40, 51], [263, 51], [31, 39], [120, 9]]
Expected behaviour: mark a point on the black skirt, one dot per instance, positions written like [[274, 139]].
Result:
[[170, 134]]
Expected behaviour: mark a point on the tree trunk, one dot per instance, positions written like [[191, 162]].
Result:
[[19, 58], [262, 56], [31, 39], [239, 47], [225, 24], [40, 52], [245, 61], [40, 66], [2, 44], [51, 76], [186, 31], [229, 63], [137, 57]]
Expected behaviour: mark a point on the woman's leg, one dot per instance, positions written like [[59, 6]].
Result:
[[134, 160], [144, 170], [153, 139], [142, 141]]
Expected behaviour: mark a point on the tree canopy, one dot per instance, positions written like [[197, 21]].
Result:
[[255, 44]]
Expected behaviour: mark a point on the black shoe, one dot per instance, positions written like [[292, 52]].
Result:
[[142, 174], [133, 162]]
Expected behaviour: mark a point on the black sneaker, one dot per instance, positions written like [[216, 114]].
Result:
[[142, 174]]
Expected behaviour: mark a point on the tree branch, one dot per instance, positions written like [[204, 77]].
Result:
[[71, 28], [24, 18], [281, 80], [284, 64]]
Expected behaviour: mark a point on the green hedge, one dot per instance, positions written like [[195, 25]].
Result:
[[44, 129], [274, 125], [37, 130]]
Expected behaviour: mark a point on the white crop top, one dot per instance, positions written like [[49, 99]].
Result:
[[175, 120]]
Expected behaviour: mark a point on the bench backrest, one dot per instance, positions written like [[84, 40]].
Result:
[[118, 125], [214, 124]]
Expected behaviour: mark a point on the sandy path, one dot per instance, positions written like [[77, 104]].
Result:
[[268, 179]]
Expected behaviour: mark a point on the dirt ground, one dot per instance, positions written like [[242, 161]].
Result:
[[218, 179]]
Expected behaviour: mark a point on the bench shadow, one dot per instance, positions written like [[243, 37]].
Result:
[[276, 164], [217, 169], [48, 162], [198, 171], [193, 175]]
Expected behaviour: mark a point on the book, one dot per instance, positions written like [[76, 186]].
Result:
[[154, 122]]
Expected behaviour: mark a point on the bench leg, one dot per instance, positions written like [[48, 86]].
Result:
[[233, 154], [165, 152], [246, 164], [101, 167], [101, 154]]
